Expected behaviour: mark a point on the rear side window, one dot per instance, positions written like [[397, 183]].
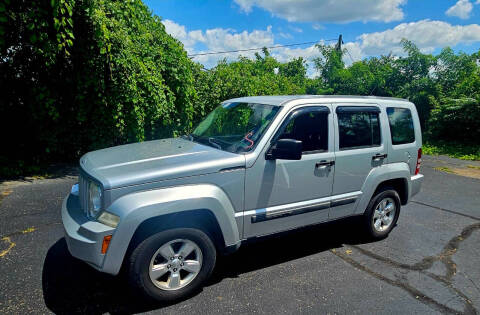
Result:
[[401, 125], [358, 129]]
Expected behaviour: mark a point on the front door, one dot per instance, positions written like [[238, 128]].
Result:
[[284, 194]]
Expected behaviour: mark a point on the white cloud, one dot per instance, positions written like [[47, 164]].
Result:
[[355, 51], [426, 34], [189, 39], [337, 11], [285, 54], [219, 39], [318, 27], [285, 35], [295, 29], [461, 9]]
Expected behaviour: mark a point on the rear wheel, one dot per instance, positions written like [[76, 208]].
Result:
[[382, 213], [172, 264]]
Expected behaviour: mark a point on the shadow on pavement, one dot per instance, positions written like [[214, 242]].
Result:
[[71, 286], [51, 172]]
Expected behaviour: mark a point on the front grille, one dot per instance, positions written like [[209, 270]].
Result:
[[83, 192]]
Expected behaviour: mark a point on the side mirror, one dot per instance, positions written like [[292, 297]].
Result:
[[285, 149]]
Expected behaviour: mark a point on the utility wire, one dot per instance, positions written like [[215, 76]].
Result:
[[260, 48], [353, 61]]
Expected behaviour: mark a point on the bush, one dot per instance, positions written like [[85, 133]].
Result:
[[455, 120], [79, 75], [455, 150]]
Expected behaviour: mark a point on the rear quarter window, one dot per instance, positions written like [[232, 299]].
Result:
[[401, 125]]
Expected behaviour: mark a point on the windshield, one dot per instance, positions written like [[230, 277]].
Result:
[[235, 127]]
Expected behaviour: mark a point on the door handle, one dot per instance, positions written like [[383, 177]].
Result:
[[379, 156], [324, 163]]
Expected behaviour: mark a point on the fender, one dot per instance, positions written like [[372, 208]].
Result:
[[135, 208], [378, 175]]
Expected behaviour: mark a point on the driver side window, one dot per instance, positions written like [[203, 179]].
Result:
[[310, 127]]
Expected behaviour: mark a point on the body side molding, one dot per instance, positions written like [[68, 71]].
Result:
[[281, 211]]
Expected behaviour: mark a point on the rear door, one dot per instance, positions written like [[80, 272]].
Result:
[[358, 149]]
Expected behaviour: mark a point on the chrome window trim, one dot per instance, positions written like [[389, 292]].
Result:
[[373, 109], [292, 114]]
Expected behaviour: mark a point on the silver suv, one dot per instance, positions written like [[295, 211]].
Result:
[[163, 210]]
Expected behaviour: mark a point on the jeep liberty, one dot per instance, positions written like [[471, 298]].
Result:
[[163, 210]]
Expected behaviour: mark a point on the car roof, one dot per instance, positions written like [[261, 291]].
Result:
[[281, 100]]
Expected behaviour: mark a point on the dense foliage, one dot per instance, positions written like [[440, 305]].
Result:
[[78, 75], [86, 74]]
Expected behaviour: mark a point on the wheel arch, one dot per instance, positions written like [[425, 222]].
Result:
[[205, 207], [400, 185], [396, 175], [200, 219]]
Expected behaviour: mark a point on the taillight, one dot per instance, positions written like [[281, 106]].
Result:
[[419, 161]]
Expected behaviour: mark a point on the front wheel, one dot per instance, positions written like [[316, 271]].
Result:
[[382, 213], [172, 264]]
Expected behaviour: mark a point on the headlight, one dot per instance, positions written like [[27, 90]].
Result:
[[94, 199]]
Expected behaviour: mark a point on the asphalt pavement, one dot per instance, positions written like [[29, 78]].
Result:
[[428, 264]]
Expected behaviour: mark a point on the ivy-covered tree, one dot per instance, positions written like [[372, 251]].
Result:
[[36, 39], [78, 75], [86, 74]]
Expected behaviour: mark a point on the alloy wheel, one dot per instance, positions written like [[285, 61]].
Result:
[[384, 214], [175, 264]]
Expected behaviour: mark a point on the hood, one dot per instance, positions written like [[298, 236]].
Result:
[[150, 161]]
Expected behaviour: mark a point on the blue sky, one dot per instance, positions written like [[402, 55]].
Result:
[[369, 27]]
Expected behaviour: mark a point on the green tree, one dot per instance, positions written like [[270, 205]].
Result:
[[86, 74], [247, 77], [78, 75], [36, 38]]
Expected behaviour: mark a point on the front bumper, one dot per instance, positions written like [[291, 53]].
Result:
[[84, 237], [416, 184]]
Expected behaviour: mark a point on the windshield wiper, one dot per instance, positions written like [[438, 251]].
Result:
[[214, 143], [211, 140], [188, 137], [191, 137]]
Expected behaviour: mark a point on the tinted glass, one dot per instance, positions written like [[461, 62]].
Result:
[[311, 128], [358, 129], [401, 125], [235, 127]]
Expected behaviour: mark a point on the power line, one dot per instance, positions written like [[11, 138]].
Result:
[[260, 48], [353, 61]]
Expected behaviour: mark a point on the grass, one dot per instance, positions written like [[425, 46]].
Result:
[[459, 151], [474, 167], [443, 169]]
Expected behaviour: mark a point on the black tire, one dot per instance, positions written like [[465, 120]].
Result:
[[368, 222], [139, 264]]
